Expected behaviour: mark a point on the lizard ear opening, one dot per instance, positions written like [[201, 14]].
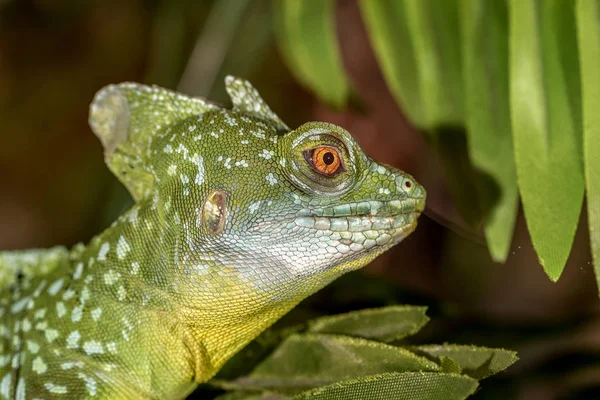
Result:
[[127, 117]]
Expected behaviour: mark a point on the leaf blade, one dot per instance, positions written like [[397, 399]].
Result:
[[385, 324], [305, 33], [400, 386], [485, 72], [588, 20], [545, 120], [476, 362]]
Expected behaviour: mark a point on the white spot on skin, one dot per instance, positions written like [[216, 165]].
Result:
[[57, 389], [69, 293], [135, 267], [104, 249], [51, 335], [39, 366], [5, 385], [168, 149], [61, 310], [40, 326], [271, 179], [19, 305], [96, 313], [184, 179], [111, 277], [121, 293], [226, 164], [133, 215], [90, 383], [85, 294], [77, 314], [111, 347], [282, 162], [172, 170], [122, 248], [78, 271], [26, 326], [197, 159], [93, 347], [267, 154], [20, 393], [241, 163], [33, 347], [254, 206], [41, 313]]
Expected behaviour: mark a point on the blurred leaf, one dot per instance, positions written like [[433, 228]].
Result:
[[546, 113], [485, 63], [588, 19], [398, 386], [305, 31], [476, 362], [434, 29], [386, 24], [310, 360], [248, 48], [239, 395], [417, 44], [212, 46], [385, 324]]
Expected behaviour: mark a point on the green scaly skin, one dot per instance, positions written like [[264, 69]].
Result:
[[231, 228]]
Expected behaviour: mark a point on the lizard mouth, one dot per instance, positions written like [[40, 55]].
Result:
[[360, 232]]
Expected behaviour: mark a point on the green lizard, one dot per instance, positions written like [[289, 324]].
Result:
[[236, 219]]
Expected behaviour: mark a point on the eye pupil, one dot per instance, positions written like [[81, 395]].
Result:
[[328, 158]]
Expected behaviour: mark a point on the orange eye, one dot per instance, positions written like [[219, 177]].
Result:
[[326, 160]]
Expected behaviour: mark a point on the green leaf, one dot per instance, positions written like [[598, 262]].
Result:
[[417, 45], [311, 360], [386, 24], [476, 362], [305, 31], [434, 31], [485, 72], [240, 395], [398, 386], [385, 324], [588, 20], [546, 115]]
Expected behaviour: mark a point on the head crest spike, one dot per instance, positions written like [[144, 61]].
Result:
[[246, 99]]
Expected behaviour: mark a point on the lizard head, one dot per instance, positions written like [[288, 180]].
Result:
[[314, 207], [243, 196]]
